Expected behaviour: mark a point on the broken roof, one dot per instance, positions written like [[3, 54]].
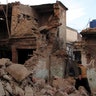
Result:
[[48, 6], [62, 5], [88, 31]]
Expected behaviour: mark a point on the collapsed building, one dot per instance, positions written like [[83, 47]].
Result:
[[88, 36], [16, 80], [37, 34], [34, 36], [87, 49], [89, 56]]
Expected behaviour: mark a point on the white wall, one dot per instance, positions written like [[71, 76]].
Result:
[[71, 35]]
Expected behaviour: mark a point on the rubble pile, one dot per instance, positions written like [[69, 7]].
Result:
[[17, 80]]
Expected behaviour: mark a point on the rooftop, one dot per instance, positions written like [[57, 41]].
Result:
[[88, 31]]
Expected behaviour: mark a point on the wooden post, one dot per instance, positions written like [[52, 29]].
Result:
[[14, 54], [6, 15], [49, 69]]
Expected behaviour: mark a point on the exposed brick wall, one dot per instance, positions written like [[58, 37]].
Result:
[[23, 20]]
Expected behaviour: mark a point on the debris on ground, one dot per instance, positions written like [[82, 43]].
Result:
[[17, 80]]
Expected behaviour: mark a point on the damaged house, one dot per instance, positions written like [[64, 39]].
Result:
[[87, 52], [35, 32], [34, 37], [89, 56]]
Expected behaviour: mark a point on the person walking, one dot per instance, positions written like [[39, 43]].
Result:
[[82, 80]]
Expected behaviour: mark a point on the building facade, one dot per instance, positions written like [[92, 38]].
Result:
[[21, 26], [35, 36]]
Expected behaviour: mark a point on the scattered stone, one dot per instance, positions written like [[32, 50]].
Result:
[[17, 80], [2, 93], [17, 71], [28, 91]]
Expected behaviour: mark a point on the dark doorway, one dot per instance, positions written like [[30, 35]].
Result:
[[5, 52], [24, 54], [77, 55], [4, 29]]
